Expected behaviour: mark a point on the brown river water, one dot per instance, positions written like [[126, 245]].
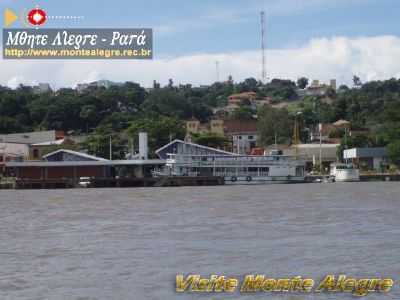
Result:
[[130, 243]]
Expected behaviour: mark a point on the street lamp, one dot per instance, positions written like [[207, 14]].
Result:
[[296, 134]]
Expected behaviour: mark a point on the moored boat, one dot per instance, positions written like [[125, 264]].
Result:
[[341, 172], [237, 169]]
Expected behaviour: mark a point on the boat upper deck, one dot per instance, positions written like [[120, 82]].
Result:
[[224, 160]]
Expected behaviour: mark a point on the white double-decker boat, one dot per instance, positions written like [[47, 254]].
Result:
[[237, 169]]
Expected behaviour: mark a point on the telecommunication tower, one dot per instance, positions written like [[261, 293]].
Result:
[[263, 70]]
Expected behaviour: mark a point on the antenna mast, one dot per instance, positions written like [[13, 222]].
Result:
[[217, 69], [263, 71]]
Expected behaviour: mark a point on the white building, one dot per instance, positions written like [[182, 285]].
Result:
[[243, 142], [367, 158]]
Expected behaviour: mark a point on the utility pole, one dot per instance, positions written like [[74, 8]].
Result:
[[132, 150], [296, 135], [320, 148], [110, 148]]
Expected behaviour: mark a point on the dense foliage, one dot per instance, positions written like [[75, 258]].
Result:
[[122, 111]]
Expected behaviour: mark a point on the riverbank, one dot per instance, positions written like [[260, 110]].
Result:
[[168, 181]]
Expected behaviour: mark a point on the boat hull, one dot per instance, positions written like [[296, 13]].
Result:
[[347, 175], [243, 180]]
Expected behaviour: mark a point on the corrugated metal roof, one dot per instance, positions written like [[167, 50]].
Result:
[[135, 162], [365, 152], [80, 154], [29, 137], [194, 145]]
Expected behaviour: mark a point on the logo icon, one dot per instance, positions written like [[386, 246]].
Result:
[[37, 17], [9, 17]]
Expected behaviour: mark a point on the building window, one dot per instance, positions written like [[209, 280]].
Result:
[[35, 153], [250, 137]]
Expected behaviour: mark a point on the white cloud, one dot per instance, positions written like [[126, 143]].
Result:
[[338, 57], [290, 7], [218, 15]]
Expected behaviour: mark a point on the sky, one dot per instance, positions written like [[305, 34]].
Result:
[[319, 39]]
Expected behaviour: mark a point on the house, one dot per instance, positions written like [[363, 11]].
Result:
[[242, 97], [311, 153], [32, 137], [342, 124], [37, 150], [318, 89], [324, 131], [12, 152], [41, 88], [243, 135], [215, 126], [72, 165], [246, 98], [80, 87], [60, 164], [374, 158], [24, 146]]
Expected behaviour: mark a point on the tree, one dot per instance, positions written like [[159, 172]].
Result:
[[168, 102], [357, 81], [331, 93], [393, 150], [280, 89], [274, 122], [160, 130], [248, 85], [211, 140], [156, 85], [243, 113], [98, 143], [302, 82]]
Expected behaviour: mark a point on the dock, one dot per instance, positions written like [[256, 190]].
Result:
[[363, 177], [157, 181], [379, 177], [118, 182], [167, 181]]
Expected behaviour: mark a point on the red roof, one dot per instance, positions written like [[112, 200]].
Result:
[[245, 95]]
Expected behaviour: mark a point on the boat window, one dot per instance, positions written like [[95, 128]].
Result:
[[264, 171]]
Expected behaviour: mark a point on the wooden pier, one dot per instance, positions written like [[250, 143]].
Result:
[[43, 184], [379, 177], [156, 182]]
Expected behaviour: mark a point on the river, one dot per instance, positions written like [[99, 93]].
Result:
[[130, 243]]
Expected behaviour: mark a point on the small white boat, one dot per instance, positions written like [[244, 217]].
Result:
[[341, 172], [84, 182]]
